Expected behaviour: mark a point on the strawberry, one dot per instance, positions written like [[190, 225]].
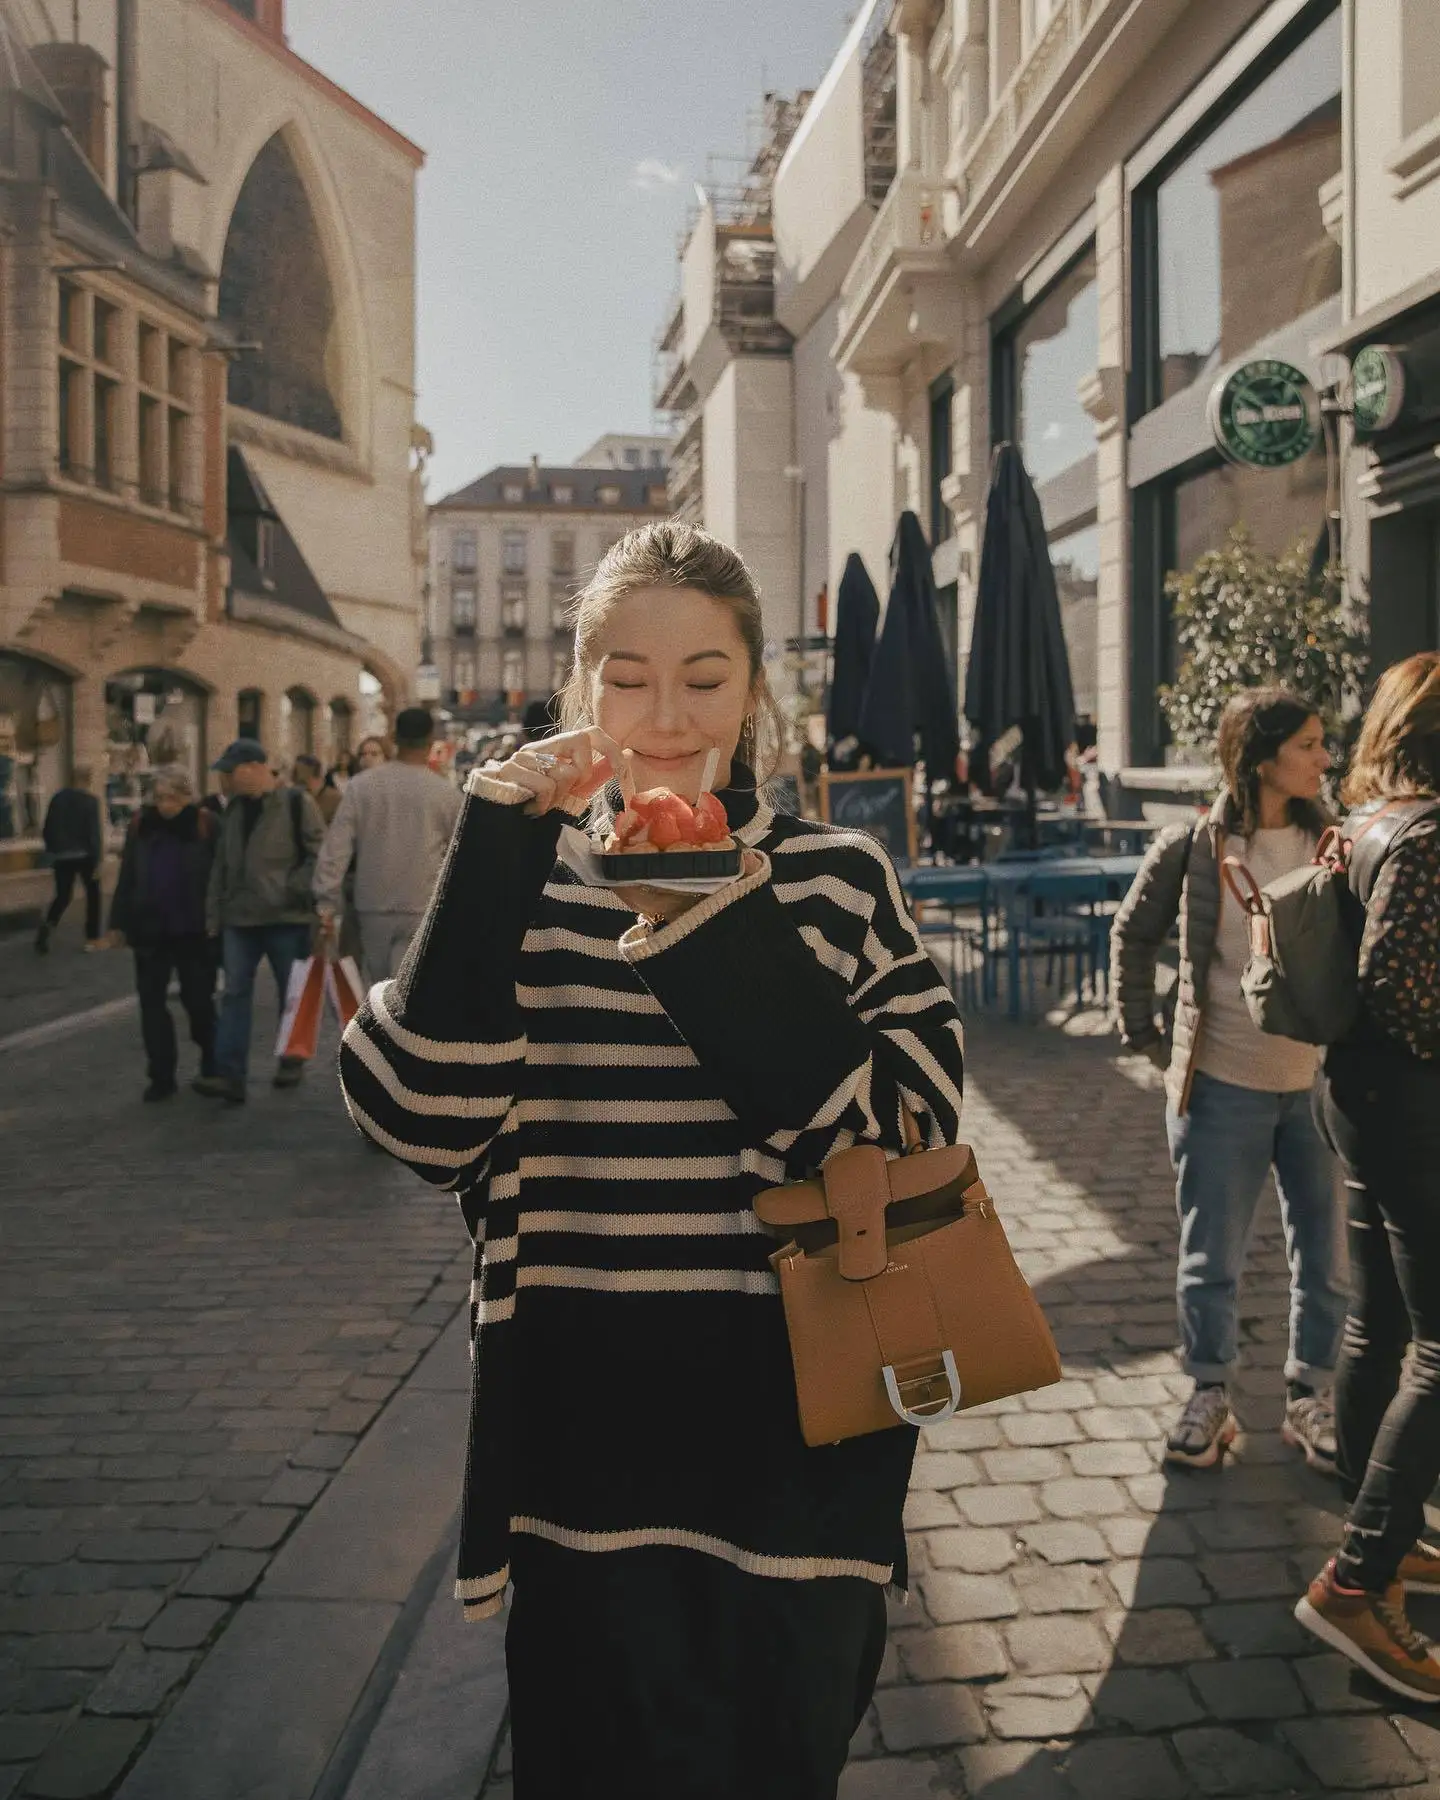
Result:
[[711, 825]]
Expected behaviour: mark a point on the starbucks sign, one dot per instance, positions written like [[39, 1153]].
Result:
[[1264, 414], [1377, 388]]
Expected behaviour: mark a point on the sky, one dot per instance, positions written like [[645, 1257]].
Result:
[[563, 142]]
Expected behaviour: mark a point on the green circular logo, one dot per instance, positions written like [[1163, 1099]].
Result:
[[1264, 414], [1377, 388]]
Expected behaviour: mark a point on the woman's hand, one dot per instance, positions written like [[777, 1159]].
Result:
[[562, 771]]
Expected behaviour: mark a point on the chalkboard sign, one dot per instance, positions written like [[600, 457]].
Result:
[[877, 801]]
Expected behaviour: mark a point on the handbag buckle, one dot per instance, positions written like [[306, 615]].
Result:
[[900, 1391]]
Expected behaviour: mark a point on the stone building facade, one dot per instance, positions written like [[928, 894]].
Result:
[[508, 552], [212, 519], [1099, 208]]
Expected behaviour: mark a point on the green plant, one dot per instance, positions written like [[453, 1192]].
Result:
[[1246, 619]]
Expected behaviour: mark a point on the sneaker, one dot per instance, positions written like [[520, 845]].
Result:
[[288, 1071], [1204, 1431], [1419, 1571], [1373, 1631], [1309, 1427], [159, 1090], [220, 1087]]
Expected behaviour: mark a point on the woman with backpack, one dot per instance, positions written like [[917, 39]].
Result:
[[1380, 1107], [1238, 1101]]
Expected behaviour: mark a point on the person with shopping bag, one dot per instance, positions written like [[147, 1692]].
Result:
[[258, 905], [610, 1077]]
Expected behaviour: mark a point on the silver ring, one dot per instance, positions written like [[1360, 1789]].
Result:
[[544, 761]]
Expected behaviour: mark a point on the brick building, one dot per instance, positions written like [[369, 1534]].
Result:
[[210, 513], [507, 554]]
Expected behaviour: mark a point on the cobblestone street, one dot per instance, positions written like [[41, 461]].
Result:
[[207, 1314]]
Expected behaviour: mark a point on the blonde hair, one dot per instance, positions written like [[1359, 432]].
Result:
[[669, 554], [1398, 751], [176, 779]]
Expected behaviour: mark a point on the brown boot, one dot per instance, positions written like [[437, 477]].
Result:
[[1419, 1571], [1373, 1631]]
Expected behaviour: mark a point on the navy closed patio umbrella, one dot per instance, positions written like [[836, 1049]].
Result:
[[857, 613], [911, 693], [1018, 680]]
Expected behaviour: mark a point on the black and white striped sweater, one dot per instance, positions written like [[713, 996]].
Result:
[[606, 1103]]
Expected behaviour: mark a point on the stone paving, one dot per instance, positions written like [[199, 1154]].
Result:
[[201, 1312], [1082, 1625]]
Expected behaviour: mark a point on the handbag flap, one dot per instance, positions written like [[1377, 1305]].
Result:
[[803, 1202], [857, 1191]]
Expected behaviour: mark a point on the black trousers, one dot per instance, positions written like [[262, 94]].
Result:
[[193, 962], [67, 873], [1381, 1112], [666, 1674]]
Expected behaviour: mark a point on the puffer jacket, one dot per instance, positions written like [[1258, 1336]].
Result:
[[1180, 878], [265, 879]]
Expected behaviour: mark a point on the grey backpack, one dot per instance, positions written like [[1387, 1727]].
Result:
[[1302, 977]]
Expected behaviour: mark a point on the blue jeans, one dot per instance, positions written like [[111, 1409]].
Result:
[[1222, 1150], [246, 946]]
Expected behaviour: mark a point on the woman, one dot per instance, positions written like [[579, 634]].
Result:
[[1380, 1106], [370, 753], [1238, 1100], [607, 1078], [159, 910]]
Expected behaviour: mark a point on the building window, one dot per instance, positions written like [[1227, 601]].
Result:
[[657, 459], [560, 604], [462, 606], [512, 616], [659, 495], [297, 712], [608, 495], [562, 493], [512, 674], [342, 728], [562, 554], [942, 393], [106, 410], [462, 673], [514, 552], [463, 552], [1230, 242], [632, 456], [154, 719], [250, 713], [275, 292], [1075, 559], [513, 493], [559, 670], [1040, 359]]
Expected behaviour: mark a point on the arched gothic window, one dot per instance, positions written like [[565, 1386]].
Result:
[[275, 291]]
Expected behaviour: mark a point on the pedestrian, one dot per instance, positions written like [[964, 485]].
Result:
[[310, 775], [217, 802], [158, 909], [371, 753], [258, 905], [396, 822], [1238, 1101], [73, 841], [1380, 1107], [608, 1077]]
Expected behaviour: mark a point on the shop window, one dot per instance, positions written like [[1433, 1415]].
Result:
[[1230, 240], [35, 716], [275, 291], [342, 728], [462, 607], [464, 552], [1075, 559], [1040, 360], [250, 714], [153, 720], [297, 712], [514, 552]]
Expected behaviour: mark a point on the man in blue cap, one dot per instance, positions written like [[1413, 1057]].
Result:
[[259, 904]]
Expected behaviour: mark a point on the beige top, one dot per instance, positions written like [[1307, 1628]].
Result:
[[1232, 1047]]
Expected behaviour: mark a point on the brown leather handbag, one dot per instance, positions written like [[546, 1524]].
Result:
[[902, 1297]]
